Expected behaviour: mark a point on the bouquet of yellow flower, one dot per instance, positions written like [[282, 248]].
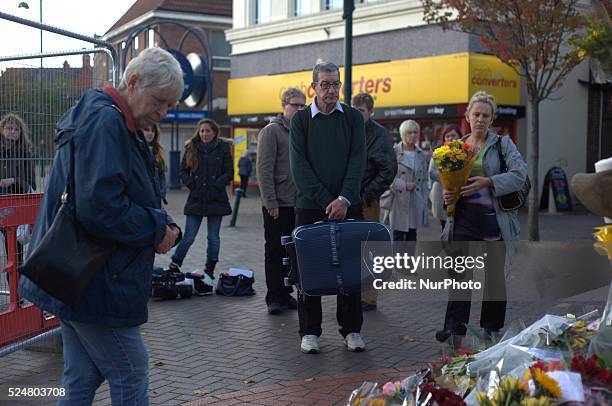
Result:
[[454, 161]]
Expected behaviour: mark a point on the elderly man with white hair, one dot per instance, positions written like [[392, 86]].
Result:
[[101, 149]]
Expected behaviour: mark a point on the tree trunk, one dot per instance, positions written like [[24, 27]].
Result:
[[533, 154]]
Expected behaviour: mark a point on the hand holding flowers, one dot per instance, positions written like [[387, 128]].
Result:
[[454, 161]]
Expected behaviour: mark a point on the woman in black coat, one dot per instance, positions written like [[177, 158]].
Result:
[[17, 168], [206, 170]]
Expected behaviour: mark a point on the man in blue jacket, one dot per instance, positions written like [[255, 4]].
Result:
[[117, 199], [327, 156]]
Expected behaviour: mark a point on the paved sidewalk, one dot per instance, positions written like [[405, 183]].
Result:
[[218, 350]]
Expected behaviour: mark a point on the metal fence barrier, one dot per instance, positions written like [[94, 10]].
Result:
[[32, 100]]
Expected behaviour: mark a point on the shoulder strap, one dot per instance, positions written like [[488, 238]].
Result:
[[68, 195], [502, 162], [348, 115], [304, 118]]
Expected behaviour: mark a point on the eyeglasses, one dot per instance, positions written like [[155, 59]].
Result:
[[298, 106], [327, 85]]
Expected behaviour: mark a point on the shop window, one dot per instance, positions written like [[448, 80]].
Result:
[[302, 7], [333, 4], [150, 39], [263, 11], [338, 4], [220, 49], [136, 43], [221, 62]]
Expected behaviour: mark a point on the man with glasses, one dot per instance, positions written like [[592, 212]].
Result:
[[278, 198], [380, 171], [327, 155]]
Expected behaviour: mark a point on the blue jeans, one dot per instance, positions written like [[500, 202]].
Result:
[[213, 224], [93, 353]]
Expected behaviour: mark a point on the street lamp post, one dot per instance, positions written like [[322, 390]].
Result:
[[347, 15], [25, 5]]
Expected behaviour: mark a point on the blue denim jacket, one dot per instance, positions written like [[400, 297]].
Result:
[[117, 198]]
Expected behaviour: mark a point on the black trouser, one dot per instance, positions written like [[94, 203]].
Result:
[[244, 184], [274, 253], [493, 310], [348, 307], [410, 235]]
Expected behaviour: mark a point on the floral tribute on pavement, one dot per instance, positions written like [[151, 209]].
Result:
[[558, 360]]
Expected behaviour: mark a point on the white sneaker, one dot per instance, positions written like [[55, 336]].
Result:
[[310, 344], [354, 342]]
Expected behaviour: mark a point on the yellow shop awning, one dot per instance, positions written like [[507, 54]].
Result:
[[445, 79]]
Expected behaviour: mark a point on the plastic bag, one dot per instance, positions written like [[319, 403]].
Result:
[[23, 234], [522, 348]]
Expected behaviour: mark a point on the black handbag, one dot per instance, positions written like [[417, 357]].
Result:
[[235, 285], [68, 257], [515, 200]]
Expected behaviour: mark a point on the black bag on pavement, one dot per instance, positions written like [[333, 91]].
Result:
[[235, 285], [68, 257], [514, 200], [328, 255]]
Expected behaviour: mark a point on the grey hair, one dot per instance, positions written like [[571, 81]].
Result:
[[321, 66], [409, 125], [482, 97], [289, 93], [157, 69]]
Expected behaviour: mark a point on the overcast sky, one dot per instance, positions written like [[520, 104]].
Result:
[[87, 17]]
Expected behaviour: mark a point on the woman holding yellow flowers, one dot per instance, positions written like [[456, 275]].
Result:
[[478, 217], [451, 132], [404, 205]]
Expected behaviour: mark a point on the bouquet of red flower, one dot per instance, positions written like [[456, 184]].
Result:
[[593, 370]]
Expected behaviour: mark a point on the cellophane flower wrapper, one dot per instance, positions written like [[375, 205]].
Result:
[[368, 394], [524, 347], [571, 386], [454, 161], [597, 396], [454, 181]]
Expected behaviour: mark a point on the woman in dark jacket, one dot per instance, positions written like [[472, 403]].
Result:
[[17, 169], [151, 134], [206, 170], [115, 199]]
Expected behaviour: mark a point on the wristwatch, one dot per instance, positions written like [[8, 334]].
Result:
[[345, 200]]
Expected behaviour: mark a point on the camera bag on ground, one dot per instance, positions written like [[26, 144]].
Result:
[[169, 284]]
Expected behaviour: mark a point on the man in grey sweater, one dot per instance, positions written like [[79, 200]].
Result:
[[278, 198]]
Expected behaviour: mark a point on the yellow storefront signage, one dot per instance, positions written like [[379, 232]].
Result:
[[240, 146], [445, 79]]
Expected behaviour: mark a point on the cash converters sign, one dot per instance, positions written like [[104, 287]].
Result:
[[445, 79]]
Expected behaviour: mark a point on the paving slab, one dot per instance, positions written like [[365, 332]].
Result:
[[218, 350]]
